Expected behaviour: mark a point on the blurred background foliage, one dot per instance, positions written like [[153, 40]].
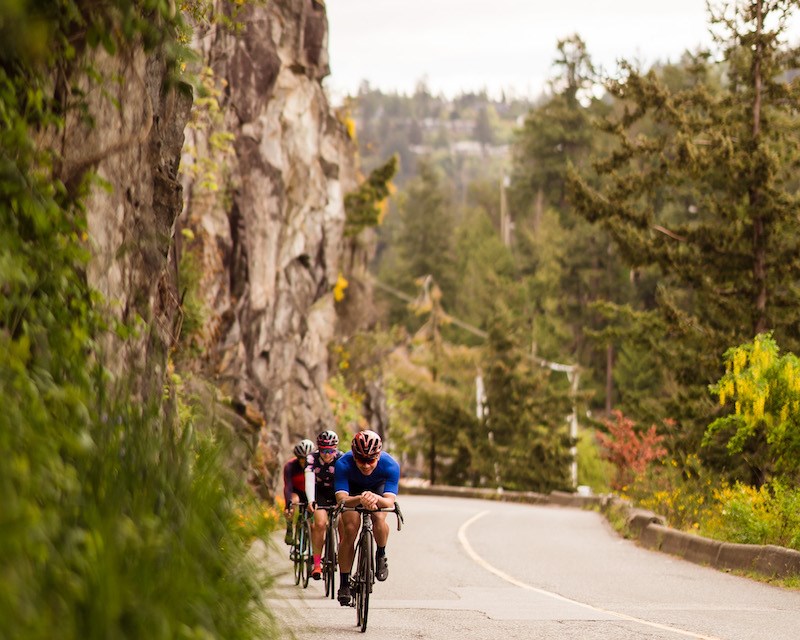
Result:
[[121, 517]]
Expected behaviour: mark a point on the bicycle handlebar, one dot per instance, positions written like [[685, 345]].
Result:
[[362, 509], [326, 507]]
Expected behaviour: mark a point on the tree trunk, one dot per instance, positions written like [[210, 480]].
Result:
[[609, 377], [755, 195], [432, 460]]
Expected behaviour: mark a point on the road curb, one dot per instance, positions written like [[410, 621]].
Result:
[[648, 528]]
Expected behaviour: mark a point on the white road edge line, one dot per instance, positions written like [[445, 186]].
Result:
[[462, 537]]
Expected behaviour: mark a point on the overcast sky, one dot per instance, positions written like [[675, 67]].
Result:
[[469, 45]]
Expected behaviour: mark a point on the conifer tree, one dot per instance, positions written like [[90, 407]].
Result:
[[483, 128], [709, 200], [485, 267], [566, 260], [526, 444], [422, 237]]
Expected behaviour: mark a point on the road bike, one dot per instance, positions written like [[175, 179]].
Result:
[[300, 551], [362, 577], [330, 551]]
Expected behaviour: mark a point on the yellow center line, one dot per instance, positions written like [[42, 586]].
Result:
[[462, 537]]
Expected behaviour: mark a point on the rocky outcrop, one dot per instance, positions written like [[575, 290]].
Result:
[[267, 229], [134, 143]]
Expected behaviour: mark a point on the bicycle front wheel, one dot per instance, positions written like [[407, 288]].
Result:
[[329, 563], [366, 572], [306, 559], [296, 555]]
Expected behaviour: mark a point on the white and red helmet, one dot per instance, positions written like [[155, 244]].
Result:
[[366, 444], [327, 440], [303, 448]]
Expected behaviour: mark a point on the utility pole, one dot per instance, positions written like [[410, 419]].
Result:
[[506, 224], [574, 376]]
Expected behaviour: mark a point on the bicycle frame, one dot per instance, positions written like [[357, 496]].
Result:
[[362, 576], [330, 552], [300, 552]]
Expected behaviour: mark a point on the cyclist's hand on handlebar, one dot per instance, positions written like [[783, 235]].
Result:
[[312, 507], [369, 500]]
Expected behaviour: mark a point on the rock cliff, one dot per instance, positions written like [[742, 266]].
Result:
[[133, 141], [264, 217]]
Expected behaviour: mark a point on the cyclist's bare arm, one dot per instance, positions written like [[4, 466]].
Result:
[[367, 499]]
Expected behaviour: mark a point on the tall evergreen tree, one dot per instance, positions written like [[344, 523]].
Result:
[[709, 200], [566, 259], [483, 128], [422, 240], [485, 267], [527, 442], [558, 131]]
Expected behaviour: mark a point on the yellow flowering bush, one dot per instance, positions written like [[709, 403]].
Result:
[[339, 287], [680, 490], [769, 514], [764, 387], [256, 519]]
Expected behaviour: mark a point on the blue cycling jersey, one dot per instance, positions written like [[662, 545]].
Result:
[[384, 479]]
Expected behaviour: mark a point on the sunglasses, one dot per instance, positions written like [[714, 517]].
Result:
[[327, 451], [363, 460]]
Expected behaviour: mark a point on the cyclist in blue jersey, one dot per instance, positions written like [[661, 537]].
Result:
[[366, 476], [322, 464], [297, 483]]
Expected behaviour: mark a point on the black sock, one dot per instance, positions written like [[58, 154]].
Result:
[[344, 577], [380, 552]]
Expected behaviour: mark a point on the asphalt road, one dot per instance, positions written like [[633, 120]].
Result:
[[471, 569]]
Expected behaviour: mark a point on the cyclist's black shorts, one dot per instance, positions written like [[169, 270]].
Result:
[[326, 499], [355, 490]]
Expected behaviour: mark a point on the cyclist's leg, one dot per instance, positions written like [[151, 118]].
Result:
[[317, 539], [291, 517], [350, 522], [380, 529]]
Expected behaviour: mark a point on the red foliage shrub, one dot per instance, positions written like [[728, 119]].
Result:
[[628, 449]]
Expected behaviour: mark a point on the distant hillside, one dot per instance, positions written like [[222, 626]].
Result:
[[463, 133]]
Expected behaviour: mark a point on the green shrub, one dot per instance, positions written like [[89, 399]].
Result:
[[118, 523], [680, 490], [769, 514], [117, 520], [593, 470]]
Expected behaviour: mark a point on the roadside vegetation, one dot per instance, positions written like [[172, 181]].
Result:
[[121, 515]]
